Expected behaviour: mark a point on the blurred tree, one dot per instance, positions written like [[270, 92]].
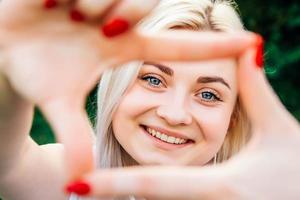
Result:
[[279, 22]]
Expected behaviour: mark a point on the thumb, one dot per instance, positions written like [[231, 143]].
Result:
[[258, 98], [72, 128]]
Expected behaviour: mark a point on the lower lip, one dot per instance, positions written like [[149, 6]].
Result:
[[164, 145]]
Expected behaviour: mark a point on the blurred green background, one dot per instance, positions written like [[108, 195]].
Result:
[[279, 23]]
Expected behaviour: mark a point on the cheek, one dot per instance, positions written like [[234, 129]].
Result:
[[137, 101], [214, 122]]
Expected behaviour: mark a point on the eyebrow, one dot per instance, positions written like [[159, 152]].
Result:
[[201, 79], [209, 79], [163, 68]]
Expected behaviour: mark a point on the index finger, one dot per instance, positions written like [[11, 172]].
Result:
[[131, 10], [73, 129], [179, 45]]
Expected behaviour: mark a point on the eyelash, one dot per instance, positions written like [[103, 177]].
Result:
[[148, 79], [213, 94]]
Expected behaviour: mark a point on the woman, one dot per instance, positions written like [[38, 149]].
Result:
[[25, 53], [117, 148]]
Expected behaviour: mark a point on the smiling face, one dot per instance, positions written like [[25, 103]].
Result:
[[177, 112]]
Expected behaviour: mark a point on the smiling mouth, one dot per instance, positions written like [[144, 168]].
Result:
[[166, 138]]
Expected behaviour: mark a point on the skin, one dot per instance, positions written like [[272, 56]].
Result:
[[167, 96]]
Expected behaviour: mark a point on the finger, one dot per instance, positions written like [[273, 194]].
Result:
[[94, 8], [72, 128], [185, 45], [158, 182], [48, 4], [125, 15], [132, 10], [258, 98]]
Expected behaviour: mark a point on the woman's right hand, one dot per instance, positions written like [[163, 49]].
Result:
[[266, 168], [54, 62]]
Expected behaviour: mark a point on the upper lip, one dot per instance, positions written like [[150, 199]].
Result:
[[169, 133]]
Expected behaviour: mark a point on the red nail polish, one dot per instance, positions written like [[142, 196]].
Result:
[[48, 4], [76, 16], [260, 51], [115, 27], [78, 187]]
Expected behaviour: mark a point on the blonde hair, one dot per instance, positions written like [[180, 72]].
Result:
[[197, 15]]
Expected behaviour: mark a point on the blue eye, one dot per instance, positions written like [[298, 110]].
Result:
[[152, 80], [209, 96]]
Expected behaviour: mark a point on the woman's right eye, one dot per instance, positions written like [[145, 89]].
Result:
[[152, 81]]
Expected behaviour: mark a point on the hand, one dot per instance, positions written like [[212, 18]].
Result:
[[267, 168], [54, 62]]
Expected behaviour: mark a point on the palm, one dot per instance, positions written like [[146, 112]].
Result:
[[267, 157], [54, 62]]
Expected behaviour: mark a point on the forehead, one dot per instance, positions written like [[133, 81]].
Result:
[[219, 67]]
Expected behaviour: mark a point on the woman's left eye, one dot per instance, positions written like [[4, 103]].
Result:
[[209, 96]]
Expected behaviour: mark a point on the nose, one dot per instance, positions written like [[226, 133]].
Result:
[[175, 112]]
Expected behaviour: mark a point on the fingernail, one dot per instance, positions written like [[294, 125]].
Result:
[[259, 59], [48, 4], [76, 16], [79, 188], [115, 27]]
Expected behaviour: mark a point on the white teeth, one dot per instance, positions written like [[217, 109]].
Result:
[[158, 134], [165, 138], [171, 140]]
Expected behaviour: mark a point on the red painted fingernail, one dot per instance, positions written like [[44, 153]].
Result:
[[78, 187], [259, 58], [115, 27], [76, 16], [48, 4]]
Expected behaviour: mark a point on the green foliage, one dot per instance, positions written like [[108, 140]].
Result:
[[279, 23], [42, 132]]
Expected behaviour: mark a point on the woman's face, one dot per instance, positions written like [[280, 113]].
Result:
[[177, 112]]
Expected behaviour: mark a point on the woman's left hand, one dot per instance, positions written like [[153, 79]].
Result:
[[267, 168]]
